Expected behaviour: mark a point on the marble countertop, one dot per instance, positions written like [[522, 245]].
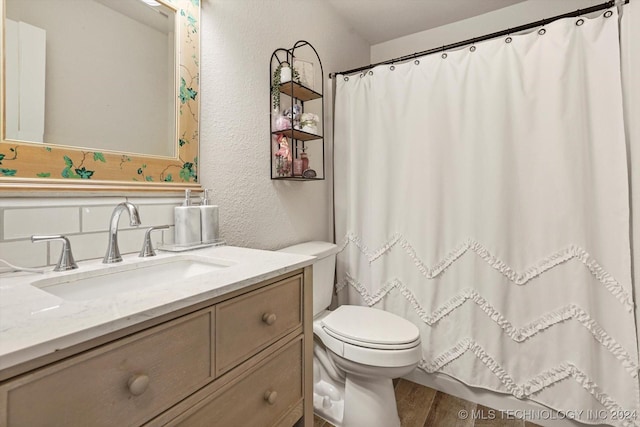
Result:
[[34, 323]]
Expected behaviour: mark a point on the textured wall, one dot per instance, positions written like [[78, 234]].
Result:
[[238, 37]]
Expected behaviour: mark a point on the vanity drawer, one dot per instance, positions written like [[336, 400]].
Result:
[[106, 386], [259, 398], [249, 323]]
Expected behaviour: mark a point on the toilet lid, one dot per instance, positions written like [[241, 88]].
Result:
[[370, 325]]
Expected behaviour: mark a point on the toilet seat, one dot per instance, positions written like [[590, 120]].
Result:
[[370, 336], [372, 346], [370, 327]]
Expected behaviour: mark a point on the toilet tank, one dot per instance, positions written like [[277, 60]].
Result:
[[323, 270]]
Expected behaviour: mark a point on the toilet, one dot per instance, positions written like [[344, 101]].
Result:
[[357, 352]]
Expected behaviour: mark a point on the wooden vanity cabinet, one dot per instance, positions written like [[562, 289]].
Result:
[[242, 359]]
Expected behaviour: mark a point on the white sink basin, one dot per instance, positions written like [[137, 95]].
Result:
[[115, 280]]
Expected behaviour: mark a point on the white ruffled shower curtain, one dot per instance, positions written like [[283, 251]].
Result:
[[482, 194]]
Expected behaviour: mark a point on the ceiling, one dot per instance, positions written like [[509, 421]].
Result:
[[382, 20]]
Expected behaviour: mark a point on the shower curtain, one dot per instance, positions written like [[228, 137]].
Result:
[[482, 194]]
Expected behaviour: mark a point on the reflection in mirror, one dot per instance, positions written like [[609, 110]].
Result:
[[99, 74]]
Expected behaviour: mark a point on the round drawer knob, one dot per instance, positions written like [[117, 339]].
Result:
[[138, 384], [270, 397], [269, 318]]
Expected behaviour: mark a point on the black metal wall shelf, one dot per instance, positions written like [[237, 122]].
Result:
[[297, 134], [289, 143], [299, 91]]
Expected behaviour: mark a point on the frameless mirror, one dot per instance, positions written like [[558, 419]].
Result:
[[98, 74]]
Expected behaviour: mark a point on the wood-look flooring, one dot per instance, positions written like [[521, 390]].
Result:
[[420, 406]]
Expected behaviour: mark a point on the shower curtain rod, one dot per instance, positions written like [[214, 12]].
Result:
[[474, 40]]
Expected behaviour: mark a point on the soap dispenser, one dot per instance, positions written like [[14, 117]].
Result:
[[187, 222], [209, 219]]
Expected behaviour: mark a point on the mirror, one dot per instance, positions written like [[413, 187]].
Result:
[[97, 91]]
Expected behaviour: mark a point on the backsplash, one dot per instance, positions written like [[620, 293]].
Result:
[[85, 221]]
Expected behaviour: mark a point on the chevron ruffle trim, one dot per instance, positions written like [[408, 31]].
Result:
[[536, 384], [547, 263], [545, 321]]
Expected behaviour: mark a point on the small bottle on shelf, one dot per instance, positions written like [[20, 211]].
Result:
[[297, 167], [304, 159]]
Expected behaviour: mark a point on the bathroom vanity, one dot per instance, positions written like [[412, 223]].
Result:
[[231, 347]]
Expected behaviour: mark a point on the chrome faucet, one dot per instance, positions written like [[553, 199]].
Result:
[[147, 247], [113, 252], [66, 261]]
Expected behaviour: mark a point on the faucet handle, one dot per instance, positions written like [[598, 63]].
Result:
[[66, 261], [147, 247]]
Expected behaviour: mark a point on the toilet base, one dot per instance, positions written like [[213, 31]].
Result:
[[326, 407], [371, 402]]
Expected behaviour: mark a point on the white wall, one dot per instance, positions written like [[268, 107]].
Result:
[[501, 19], [238, 37], [106, 76]]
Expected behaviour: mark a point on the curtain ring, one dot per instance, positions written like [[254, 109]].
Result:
[[361, 75], [608, 14], [579, 22], [346, 78], [444, 56], [508, 40], [393, 67], [416, 62], [542, 31], [472, 48], [370, 73]]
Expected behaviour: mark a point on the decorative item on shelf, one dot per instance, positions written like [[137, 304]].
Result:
[[280, 122], [285, 72], [282, 74], [297, 167], [304, 159], [309, 173], [293, 115], [283, 156], [309, 123], [305, 72]]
